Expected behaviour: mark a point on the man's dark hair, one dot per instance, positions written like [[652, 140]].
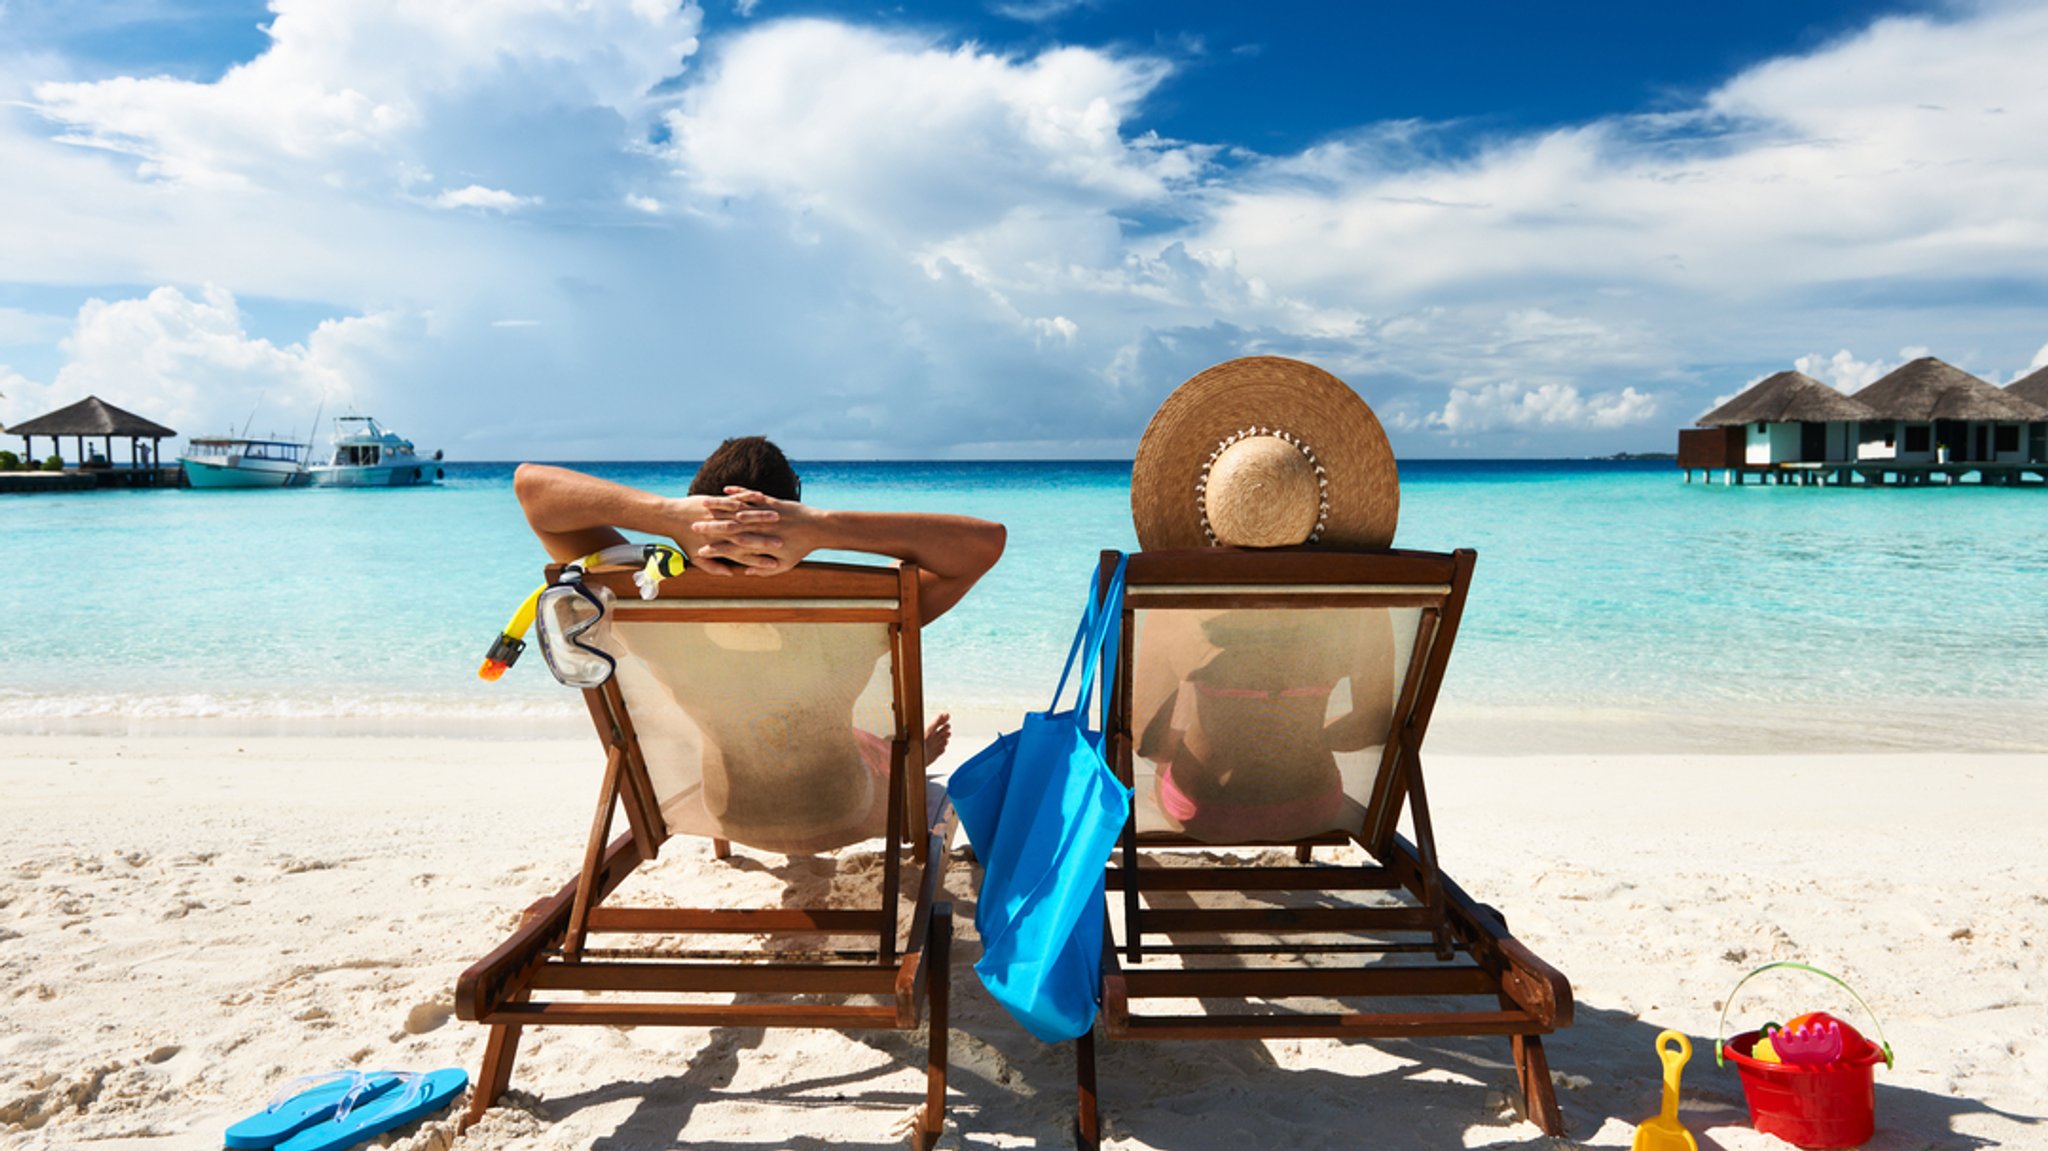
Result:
[[747, 462]]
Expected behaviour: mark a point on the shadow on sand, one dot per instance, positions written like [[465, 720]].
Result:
[[1006, 1089], [1446, 1093]]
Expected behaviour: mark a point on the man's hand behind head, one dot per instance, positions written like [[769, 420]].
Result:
[[744, 532]]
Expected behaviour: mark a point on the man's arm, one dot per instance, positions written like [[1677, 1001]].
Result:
[[951, 552], [576, 514]]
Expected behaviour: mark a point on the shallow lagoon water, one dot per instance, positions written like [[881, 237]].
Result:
[[1613, 604]]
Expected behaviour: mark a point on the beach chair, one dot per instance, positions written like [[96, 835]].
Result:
[[1223, 653], [712, 680]]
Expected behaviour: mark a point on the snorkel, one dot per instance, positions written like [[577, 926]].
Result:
[[657, 562], [510, 642]]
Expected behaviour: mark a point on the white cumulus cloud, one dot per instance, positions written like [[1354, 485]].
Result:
[[900, 136], [478, 196], [188, 361], [1508, 406], [357, 90], [1058, 329], [1843, 370]]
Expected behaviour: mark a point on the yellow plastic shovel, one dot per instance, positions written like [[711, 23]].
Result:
[[1665, 1133]]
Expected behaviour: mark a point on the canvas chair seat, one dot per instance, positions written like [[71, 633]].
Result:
[[773, 735], [784, 715], [1279, 698]]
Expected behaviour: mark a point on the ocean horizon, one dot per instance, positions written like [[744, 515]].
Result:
[[1614, 606]]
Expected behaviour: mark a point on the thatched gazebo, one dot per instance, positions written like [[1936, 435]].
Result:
[[1945, 410], [94, 418]]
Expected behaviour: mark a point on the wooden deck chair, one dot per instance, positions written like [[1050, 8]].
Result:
[[728, 717], [1234, 664]]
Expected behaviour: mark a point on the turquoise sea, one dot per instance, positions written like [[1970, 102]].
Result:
[[1614, 606]]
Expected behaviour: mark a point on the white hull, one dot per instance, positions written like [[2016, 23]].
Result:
[[233, 472], [403, 475], [367, 456]]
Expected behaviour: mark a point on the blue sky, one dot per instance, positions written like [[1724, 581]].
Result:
[[544, 229]]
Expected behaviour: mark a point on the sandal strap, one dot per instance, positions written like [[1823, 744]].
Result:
[[292, 1089]]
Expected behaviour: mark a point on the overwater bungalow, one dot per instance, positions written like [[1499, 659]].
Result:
[[1943, 415], [1926, 422], [2033, 388], [1787, 418]]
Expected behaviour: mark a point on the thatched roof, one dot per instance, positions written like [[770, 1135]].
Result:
[[92, 416], [1928, 389], [1788, 397], [2032, 388]]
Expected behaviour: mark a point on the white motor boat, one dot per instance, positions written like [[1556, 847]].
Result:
[[368, 456], [234, 462]]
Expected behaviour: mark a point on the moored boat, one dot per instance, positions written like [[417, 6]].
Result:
[[235, 462], [366, 455]]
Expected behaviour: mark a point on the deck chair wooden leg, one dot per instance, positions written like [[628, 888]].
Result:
[[938, 953], [1305, 853], [1538, 1094], [721, 848], [496, 1074], [1087, 1117]]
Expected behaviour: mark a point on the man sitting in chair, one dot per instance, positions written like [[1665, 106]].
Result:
[[743, 517]]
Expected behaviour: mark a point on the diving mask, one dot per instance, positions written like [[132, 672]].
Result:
[[567, 614], [657, 562]]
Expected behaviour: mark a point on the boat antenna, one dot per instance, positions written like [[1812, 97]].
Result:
[[315, 429], [252, 415]]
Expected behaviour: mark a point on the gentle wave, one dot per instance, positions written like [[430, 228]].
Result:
[[109, 712], [20, 706], [1461, 725]]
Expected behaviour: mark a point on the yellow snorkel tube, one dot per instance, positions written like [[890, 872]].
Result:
[[510, 642], [657, 562]]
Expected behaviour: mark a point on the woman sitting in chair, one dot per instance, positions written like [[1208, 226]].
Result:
[[1244, 713]]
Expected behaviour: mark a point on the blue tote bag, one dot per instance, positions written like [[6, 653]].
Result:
[[1042, 810]]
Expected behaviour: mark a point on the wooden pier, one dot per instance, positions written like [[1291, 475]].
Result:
[[1874, 473], [90, 479]]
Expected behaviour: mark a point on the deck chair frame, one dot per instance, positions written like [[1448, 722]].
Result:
[[1474, 955], [552, 949]]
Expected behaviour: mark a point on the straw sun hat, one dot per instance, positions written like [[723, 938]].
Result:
[[1264, 452]]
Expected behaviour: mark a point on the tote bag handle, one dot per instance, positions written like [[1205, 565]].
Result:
[[1101, 624]]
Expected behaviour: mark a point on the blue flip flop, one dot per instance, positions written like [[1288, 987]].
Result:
[[417, 1096], [305, 1101]]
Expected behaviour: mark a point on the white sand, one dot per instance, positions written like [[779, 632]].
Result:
[[187, 921]]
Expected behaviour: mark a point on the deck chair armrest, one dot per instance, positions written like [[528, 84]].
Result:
[[483, 988], [931, 888], [1535, 986]]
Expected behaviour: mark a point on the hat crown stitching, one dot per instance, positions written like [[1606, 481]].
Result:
[[1289, 438]]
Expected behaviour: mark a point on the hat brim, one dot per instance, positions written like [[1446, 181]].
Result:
[[1278, 395]]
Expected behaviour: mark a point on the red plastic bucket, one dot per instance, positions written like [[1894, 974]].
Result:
[[1811, 1105], [1815, 1105]]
